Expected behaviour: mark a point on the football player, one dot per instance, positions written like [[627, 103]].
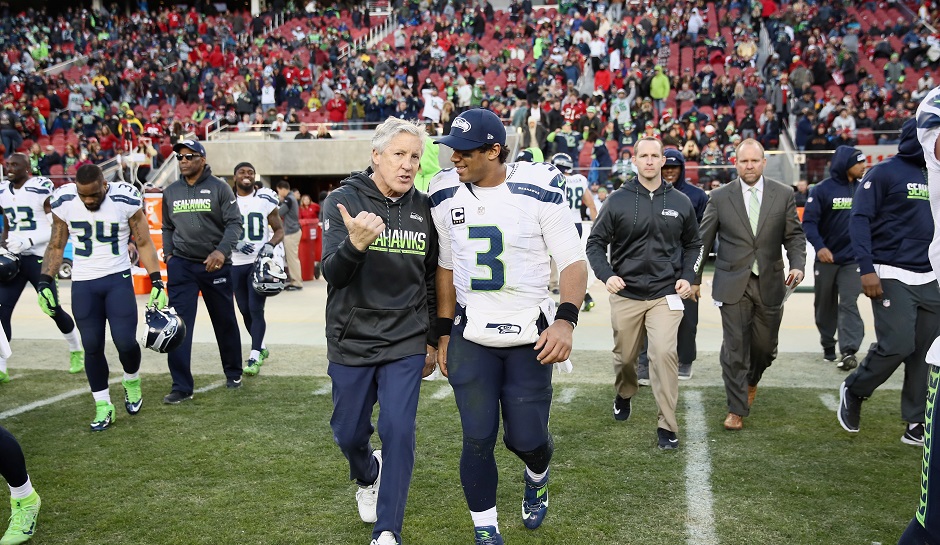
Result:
[[259, 210], [26, 230], [99, 218], [578, 195], [497, 224]]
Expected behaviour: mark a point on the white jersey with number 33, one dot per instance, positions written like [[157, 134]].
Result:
[[497, 239], [99, 238], [255, 209], [26, 213]]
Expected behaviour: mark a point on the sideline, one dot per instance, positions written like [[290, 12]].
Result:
[[700, 525]]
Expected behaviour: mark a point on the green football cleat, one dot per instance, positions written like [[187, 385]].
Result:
[[265, 354], [133, 398], [4, 377], [104, 416], [76, 361], [24, 513], [253, 367]]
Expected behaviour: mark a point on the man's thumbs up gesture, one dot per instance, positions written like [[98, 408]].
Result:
[[363, 229]]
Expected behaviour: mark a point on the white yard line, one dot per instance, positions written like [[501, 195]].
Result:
[[212, 386], [566, 395], [700, 525], [50, 400], [443, 393], [324, 390], [830, 401]]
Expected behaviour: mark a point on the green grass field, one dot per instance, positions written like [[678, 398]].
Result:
[[258, 465]]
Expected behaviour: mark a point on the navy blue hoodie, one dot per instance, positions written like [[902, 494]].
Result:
[[695, 194], [829, 208], [891, 221]]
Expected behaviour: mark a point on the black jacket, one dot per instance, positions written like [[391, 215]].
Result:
[[653, 238], [200, 218], [380, 303]]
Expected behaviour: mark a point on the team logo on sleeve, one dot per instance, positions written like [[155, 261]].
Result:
[[457, 215]]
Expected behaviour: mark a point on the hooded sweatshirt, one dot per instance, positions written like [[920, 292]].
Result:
[[829, 208], [891, 221], [380, 304], [695, 194], [653, 238]]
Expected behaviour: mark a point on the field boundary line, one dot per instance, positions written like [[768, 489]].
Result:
[[442, 393], [207, 388], [50, 400], [698, 470], [830, 401], [323, 390], [567, 395]]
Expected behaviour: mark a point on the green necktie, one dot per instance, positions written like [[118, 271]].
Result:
[[753, 213]]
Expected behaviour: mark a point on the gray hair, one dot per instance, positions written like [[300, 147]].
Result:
[[391, 128]]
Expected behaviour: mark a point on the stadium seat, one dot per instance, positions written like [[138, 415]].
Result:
[[866, 137]]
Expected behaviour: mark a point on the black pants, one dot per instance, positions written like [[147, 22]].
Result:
[[107, 299], [185, 279], [907, 320], [924, 528], [30, 269], [12, 462], [250, 304], [837, 288]]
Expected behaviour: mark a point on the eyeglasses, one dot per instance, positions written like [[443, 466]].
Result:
[[187, 156]]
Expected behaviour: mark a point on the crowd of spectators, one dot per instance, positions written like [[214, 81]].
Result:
[[584, 77]]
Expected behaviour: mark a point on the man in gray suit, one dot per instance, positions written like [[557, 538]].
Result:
[[751, 217]]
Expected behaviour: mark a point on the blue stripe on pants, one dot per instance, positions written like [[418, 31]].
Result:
[[395, 385], [110, 298], [250, 304], [185, 279]]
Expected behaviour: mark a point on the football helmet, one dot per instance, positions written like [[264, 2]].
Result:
[[165, 330], [563, 162], [267, 277], [9, 265]]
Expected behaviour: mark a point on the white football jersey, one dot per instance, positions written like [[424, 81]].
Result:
[[928, 130], [26, 213], [497, 239], [99, 238], [255, 209], [575, 187]]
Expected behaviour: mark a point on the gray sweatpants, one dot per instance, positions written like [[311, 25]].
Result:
[[837, 288], [907, 320]]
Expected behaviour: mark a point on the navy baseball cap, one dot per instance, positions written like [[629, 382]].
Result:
[[191, 144], [674, 158], [473, 129]]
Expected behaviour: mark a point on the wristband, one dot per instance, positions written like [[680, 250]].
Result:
[[567, 312], [46, 278], [444, 325], [155, 277]]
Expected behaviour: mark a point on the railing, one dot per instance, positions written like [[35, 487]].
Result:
[[375, 34], [63, 66]]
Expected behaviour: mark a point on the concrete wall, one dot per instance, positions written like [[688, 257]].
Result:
[[346, 152]]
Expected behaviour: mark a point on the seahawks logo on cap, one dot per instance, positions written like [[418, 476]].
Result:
[[186, 143], [462, 124]]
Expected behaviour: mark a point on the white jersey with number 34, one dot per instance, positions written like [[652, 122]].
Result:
[[497, 239], [99, 238]]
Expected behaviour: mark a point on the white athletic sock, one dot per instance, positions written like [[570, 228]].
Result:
[[3, 365], [132, 376], [535, 477], [20, 492], [75, 342], [485, 518], [102, 395], [255, 355], [912, 426], [263, 346]]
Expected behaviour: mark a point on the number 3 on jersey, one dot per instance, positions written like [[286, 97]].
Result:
[[25, 221], [489, 259], [575, 195]]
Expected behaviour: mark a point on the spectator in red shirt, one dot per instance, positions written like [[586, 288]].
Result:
[[308, 209], [336, 108]]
